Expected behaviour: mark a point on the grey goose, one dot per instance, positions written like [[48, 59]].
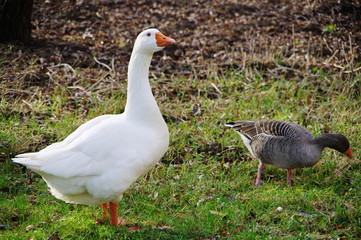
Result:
[[286, 144]]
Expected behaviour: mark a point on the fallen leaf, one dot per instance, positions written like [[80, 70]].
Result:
[[303, 214], [238, 229], [224, 233], [178, 196], [164, 228], [204, 199], [279, 209], [99, 221], [343, 192], [53, 237], [134, 228], [339, 226], [29, 227], [155, 195], [217, 213]]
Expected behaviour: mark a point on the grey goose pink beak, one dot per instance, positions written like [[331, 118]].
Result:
[[349, 153]]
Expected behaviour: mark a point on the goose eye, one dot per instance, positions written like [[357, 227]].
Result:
[[149, 34]]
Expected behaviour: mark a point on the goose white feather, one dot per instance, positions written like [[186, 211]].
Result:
[[104, 156]]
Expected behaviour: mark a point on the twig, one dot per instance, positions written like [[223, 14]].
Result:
[[352, 70], [333, 55], [97, 82], [15, 90], [293, 44], [28, 104], [103, 64], [113, 67], [342, 68], [352, 58], [217, 89], [68, 66], [283, 68]]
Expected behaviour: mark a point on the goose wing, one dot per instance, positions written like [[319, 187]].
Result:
[[92, 149]]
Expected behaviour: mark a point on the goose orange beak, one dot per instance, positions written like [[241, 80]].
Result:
[[349, 153], [162, 40]]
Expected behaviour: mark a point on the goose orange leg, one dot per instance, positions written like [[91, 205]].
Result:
[[289, 176], [258, 179], [114, 220]]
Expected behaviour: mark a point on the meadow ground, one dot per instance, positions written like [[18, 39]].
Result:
[[267, 60]]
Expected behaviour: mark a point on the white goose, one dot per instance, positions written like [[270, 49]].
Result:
[[104, 156]]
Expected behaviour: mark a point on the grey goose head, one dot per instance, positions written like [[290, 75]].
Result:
[[335, 141]]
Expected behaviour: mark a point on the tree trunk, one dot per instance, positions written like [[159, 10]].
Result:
[[15, 20]]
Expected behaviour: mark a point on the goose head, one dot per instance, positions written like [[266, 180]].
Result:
[[335, 141], [343, 145], [151, 40]]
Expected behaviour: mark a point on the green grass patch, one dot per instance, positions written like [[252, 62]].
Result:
[[203, 189]]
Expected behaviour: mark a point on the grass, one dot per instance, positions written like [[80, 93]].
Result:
[[203, 188]]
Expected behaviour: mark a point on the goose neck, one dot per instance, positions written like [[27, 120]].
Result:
[[332, 140], [138, 69], [140, 100]]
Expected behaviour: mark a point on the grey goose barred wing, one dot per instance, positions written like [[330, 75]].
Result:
[[246, 128], [270, 127]]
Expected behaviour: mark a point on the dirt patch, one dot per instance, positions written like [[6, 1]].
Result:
[[211, 34]]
